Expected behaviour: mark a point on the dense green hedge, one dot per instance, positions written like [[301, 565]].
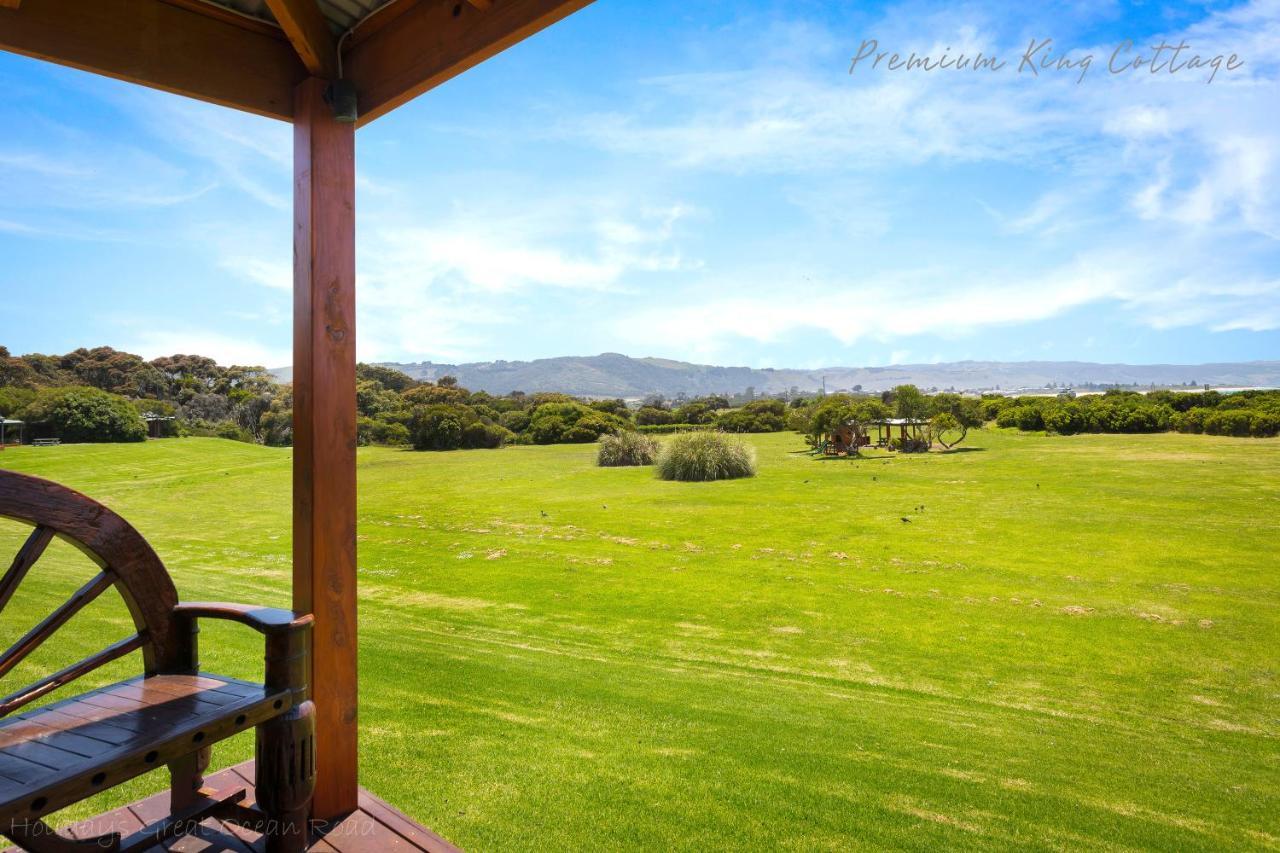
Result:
[[1247, 413], [668, 429]]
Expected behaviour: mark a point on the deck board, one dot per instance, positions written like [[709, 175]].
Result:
[[374, 826]]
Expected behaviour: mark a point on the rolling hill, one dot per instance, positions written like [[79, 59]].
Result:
[[615, 375]]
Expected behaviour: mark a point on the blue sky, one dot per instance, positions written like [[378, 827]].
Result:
[[704, 181]]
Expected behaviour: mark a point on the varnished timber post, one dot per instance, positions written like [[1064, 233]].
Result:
[[324, 433]]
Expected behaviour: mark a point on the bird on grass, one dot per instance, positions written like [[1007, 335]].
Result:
[[544, 513], [906, 520]]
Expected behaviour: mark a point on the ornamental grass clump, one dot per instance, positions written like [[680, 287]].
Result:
[[705, 456], [626, 448]]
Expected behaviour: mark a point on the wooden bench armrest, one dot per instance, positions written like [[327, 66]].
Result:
[[264, 620]]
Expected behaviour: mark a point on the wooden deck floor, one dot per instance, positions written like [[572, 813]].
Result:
[[375, 826]]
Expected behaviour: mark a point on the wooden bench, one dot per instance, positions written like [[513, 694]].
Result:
[[45, 442], [57, 754]]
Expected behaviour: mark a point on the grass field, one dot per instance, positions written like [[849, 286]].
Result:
[[1072, 643]]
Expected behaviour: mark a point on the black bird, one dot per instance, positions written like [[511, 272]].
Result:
[[544, 512], [906, 520]]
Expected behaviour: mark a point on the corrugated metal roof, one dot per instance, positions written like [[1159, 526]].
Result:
[[342, 15]]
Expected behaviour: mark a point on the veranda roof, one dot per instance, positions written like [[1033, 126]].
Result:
[[252, 54]]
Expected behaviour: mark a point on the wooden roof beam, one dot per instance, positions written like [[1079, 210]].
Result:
[[161, 45], [309, 34], [432, 41]]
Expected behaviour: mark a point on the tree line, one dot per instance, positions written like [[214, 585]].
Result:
[[102, 394]]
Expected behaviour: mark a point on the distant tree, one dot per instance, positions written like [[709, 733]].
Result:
[[426, 395], [963, 414], [612, 407], [910, 402], [944, 425], [206, 407], [653, 415], [695, 412], [388, 378]]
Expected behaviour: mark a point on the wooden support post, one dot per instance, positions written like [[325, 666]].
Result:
[[324, 432]]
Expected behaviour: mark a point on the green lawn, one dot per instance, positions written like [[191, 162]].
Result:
[[1073, 642]]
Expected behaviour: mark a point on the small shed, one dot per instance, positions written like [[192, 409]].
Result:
[[7, 427], [157, 425]]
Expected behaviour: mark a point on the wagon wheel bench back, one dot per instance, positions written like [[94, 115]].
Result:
[[60, 753]]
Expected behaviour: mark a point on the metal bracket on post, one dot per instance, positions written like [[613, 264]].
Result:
[[340, 95]]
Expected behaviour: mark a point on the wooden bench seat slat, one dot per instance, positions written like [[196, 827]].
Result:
[[54, 752], [30, 730], [97, 730], [20, 771], [46, 754]]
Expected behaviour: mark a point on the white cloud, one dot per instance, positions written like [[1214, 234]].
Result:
[[1165, 288], [445, 287], [275, 273], [225, 349], [250, 153]]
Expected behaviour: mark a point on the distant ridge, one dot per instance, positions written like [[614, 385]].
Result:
[[615, 375]]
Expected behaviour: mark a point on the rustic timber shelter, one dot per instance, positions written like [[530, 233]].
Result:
[[910, 432], [157, 424], [328, 67]]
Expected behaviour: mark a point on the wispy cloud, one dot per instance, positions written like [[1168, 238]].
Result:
[[225, 349]]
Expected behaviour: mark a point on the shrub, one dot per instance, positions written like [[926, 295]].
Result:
[[516, 420], [557, 422], [86, 414], [1191, 420], [437, 427], [1264, 424], [626, 448], [1068, 419], [1229, 422], [668, 429], [451, 427], [654, 416], [705, 456], [377, 431], [479, 434], [759, 416], [233, 432]]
